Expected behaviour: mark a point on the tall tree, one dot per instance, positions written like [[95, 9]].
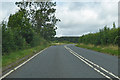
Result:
[[42, 16], [22, 26], [114, 26]]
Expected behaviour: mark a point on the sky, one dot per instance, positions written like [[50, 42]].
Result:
[[77, 17]]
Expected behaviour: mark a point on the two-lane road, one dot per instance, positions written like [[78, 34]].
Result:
[[61, 62]]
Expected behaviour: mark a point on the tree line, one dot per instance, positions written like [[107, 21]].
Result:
[[105, 36], [72, 39], [32, 25]]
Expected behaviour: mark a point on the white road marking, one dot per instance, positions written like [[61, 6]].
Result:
[[83, 59], [97, 66], [21, 64]]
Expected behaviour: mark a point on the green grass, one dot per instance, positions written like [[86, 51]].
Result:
[[61, 43], [57, 43], [110, 49], [14, 56]]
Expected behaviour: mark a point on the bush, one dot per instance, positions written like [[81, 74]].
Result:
[[105, 36], [8, 43]]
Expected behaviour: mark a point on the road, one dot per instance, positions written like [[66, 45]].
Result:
[[68, 61]]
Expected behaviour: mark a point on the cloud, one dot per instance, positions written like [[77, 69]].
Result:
[[86, 0], [9, 0], [6, 9], [78, 18]]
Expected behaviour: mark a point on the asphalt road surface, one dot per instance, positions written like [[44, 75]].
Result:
[[69, 61]]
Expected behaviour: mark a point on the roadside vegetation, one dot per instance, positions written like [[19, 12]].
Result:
[[17, 55], [66, 39], [106, 40], [61, 43], [109, 49], [28, 31]]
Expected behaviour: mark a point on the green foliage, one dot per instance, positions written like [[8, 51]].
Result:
[[11, 40], [66, 39], [33, 25], [8, 43], [105, 36], [37, 40], [114, 25], [16, 55], [23, 27], [42, 17], [109, 49], [20, 42]]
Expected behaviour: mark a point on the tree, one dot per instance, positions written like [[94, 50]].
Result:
[[42, 16], [105, 36], [8, 43], [22, 26], [30, 26], [114, 25]]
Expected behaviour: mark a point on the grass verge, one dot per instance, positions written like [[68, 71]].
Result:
[[17, 55], [60, 43], [110, 49], [54, 44]]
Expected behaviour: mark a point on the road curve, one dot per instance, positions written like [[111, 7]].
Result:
[[58, 62]]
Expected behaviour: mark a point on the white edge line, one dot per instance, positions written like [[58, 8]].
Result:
[[88, 64], [22, 64], [96, 65]]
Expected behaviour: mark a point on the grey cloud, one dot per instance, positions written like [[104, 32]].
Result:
[[81, 17], [6, 9], [77, 18]]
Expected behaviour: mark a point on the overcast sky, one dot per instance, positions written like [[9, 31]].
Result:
[[77, 18]]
